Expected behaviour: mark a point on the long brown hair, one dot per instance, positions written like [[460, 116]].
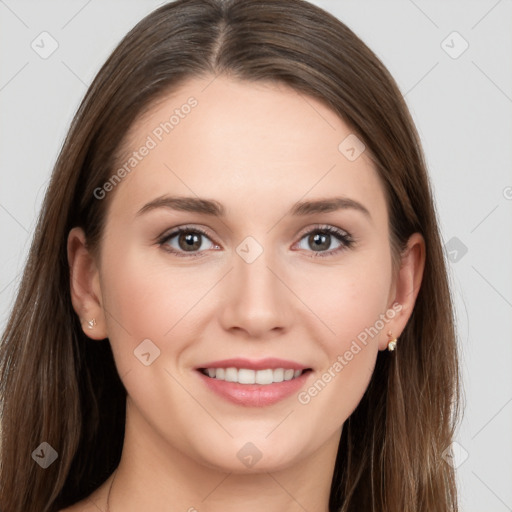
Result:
[[60, 387]]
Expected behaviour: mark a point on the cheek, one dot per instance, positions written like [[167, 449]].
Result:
[[353, 305], [349, 299], [146, 298]]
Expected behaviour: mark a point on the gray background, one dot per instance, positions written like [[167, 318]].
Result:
[[462, 105]]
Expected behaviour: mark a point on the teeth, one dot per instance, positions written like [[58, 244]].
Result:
[[288, 374], [278, 375], [263, 376], [246, 376], [231, 375]]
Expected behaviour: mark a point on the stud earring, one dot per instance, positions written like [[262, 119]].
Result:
[[91, 323], [392, 342]]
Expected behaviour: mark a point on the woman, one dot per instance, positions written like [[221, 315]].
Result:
[[236, 294]]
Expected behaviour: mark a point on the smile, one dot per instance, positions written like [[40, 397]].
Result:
[[247, 376]]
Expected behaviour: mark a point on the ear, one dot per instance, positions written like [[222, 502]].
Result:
[[85, 286], [406, 287]]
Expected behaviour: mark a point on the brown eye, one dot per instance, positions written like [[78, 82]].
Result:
[[321, 239], [186, 240], [189, 241]]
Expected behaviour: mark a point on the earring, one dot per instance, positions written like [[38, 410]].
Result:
[[392, 342], [91, 323]]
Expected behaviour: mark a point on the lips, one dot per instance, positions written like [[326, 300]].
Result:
[[254, 383], [260, 364]]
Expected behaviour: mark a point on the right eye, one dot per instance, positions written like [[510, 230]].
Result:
[[188, 242]]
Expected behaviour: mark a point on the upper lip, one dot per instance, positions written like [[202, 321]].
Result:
[[260, 364]]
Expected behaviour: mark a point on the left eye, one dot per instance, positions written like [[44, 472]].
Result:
[[321, 239]]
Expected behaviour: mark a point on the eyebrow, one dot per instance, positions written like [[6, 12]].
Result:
[[216, 209]]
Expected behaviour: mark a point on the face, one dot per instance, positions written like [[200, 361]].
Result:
[[255, 276]]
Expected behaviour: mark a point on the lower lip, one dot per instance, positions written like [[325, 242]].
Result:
[[255, 395]]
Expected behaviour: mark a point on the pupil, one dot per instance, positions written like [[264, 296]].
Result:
[[191, 241], [317, 241]]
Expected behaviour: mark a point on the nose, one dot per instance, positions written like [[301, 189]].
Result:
[[258, 301]]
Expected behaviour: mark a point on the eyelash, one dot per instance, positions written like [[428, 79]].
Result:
[[344, 237]]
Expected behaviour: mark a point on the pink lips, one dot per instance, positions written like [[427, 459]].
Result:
[[261, 364], [254, 395]]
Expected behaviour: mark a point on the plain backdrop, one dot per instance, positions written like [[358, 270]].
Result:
[[452, 61]]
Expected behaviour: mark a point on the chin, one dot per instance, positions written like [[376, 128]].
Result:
[[249, 458]]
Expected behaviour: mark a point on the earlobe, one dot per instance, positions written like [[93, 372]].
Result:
[[84, 286], [407, 286]]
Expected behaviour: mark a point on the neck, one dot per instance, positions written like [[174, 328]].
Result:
[[154, 475]]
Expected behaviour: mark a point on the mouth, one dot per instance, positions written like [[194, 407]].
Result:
[[263, 377], [254, 383]]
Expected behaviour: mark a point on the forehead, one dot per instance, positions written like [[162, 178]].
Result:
[[245, 142]]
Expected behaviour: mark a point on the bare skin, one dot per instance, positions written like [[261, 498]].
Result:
[[257, 149]]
